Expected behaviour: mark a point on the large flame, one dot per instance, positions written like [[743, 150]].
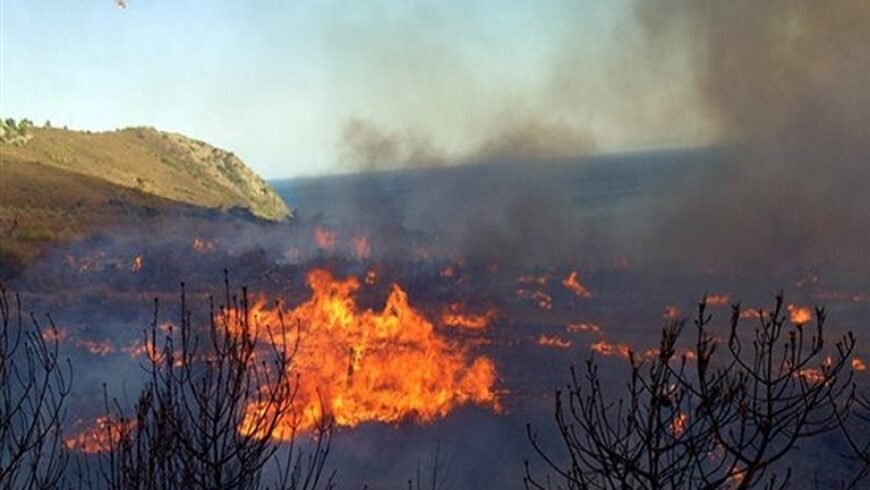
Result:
[[359, 366]]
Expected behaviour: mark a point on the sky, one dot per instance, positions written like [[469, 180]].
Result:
[[313, 87]]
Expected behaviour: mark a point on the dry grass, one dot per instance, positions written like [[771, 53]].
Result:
[[163, 164], [63, 185]]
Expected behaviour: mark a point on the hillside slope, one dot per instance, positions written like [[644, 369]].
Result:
[[162, 164]]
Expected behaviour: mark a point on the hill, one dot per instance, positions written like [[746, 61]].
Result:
[[58, 185], [164, 164]]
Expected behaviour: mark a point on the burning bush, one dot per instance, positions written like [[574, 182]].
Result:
[[366, 365], [193, 426]]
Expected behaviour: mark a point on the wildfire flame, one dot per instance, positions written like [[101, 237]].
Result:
[[812, 375], [454, 316], [717, 300], [751, 313], [553, 341], [101, 435], [584, 328], [136, 266], [679, 423], [623, 351], [572, 282], [607, 349], [360, 366], [671, 312], [799, 315], [95, 347], [371, 277], [858, 364]]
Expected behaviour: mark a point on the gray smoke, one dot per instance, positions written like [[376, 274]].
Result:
[[785, 83]]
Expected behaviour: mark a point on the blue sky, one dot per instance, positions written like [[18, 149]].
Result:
[[277, 82]]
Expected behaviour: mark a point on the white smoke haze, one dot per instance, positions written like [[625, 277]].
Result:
[[434, 89]]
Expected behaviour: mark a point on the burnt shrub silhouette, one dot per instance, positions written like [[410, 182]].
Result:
[[724, 414], [854, 422], [34, 385], [193, 426]]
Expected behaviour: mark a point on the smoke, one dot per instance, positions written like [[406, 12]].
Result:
[[530, 138], [784, 84], [368, 147], [365, 146], [776, 87], [423, 86]]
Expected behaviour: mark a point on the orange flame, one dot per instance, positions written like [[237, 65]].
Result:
[[717, 300], [572, 282], [145, 349], [360, 366], [858, 364], [136, 266], [583, 328], [453, 316], [679, 423], [607, 349], [95, 347], [671, 312], [799, 315], [100, 436], [553, 341], [812, 375], [371, 277], [751, 313]]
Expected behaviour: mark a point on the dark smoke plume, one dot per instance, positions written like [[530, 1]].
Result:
[[785, 83], [368, 147], [531, 138]]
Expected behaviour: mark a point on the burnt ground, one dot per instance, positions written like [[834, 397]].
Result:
[[474, 235]]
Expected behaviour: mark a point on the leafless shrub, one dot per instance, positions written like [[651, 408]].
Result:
[[727, 422], [34, 385], [193, 426], [854, 421]]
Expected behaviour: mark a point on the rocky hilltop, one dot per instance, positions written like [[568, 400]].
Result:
[[166, 165], [59, 186]]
